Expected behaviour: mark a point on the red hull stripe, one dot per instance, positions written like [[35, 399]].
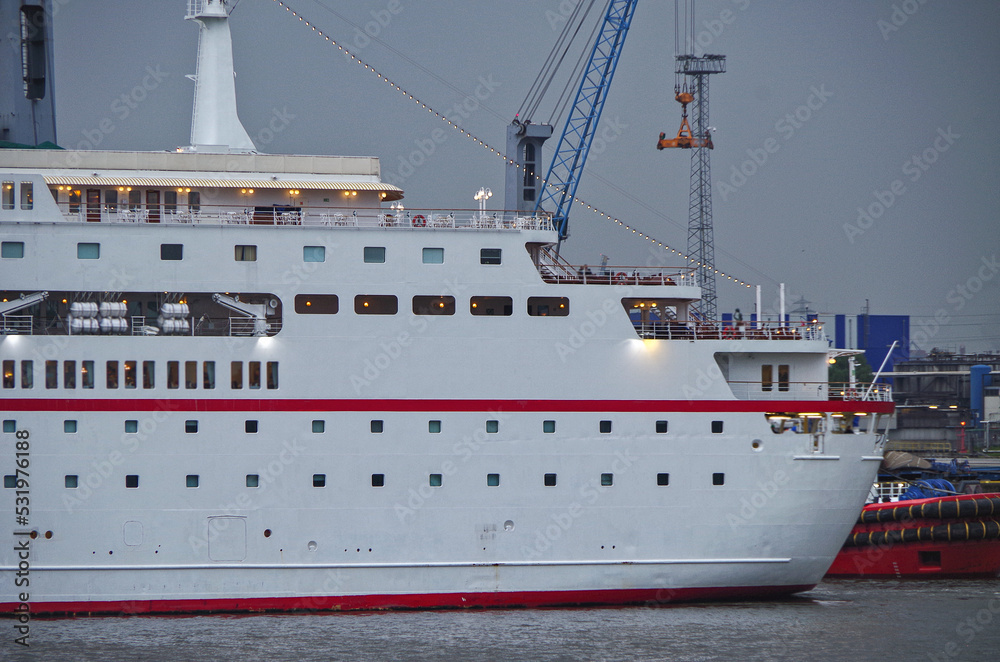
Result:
[[316, 405], [650, 596]]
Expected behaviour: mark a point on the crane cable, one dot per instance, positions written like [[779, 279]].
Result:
[[554, 60], [508, 160]]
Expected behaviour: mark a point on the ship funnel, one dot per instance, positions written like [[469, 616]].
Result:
[[215, 125]]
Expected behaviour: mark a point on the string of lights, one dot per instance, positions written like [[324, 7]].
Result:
[[486, 146]]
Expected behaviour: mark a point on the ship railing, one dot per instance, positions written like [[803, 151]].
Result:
[[17, 325], [726, 330], [585, 275], [253, 326], [463, 219], [788, 390]]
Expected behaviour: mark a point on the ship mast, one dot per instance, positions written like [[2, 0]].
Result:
[[215, 124]]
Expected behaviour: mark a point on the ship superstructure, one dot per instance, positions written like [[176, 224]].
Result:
[[248, 382]]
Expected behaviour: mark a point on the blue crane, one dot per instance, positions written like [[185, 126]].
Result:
[[571, 154]]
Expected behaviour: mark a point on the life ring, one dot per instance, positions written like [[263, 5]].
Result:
[[419, 221], [621, 277]]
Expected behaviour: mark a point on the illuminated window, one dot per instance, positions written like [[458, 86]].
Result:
[[131, 374], [8, 195], [87, 374], [433, 305], [548, 306], [492, 306], [370, 304], [8, 374], [27, 195], [317, 304]]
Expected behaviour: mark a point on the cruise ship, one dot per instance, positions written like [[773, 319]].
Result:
[[235, 381]]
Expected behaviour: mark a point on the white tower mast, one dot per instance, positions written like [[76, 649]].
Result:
[[215, 125]]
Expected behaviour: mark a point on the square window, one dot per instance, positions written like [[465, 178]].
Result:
[[191, 480], [10, 482], [319, 480], [377, 427], [492, 426], [319, 426], [434, 427], [433, 256], [69, 427], [662, 479], [10, 426], [171, 251], [607, 480], [375, 254], [131, 481], [253, 480], [434, 480], [378, 480], [550, 480], [661, 427], [716, 427], [314, 253], [13, 249], [718, 479], [246, 253], [489, 256], [250, 427], [131, 426], [88, 251], [492, 480], [72, 482], [548, 427], [605, 427], [191, 427]]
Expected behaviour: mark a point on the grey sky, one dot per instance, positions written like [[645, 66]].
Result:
[[887, 81]]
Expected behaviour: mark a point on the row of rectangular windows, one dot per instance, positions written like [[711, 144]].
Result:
[[377, 426], [126, 374], [388, 304], [248, 253], [72, 481]]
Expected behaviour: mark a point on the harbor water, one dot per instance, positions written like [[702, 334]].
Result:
[[839, 620]]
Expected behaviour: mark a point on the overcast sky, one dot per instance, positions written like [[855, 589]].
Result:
[[857, 153]]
